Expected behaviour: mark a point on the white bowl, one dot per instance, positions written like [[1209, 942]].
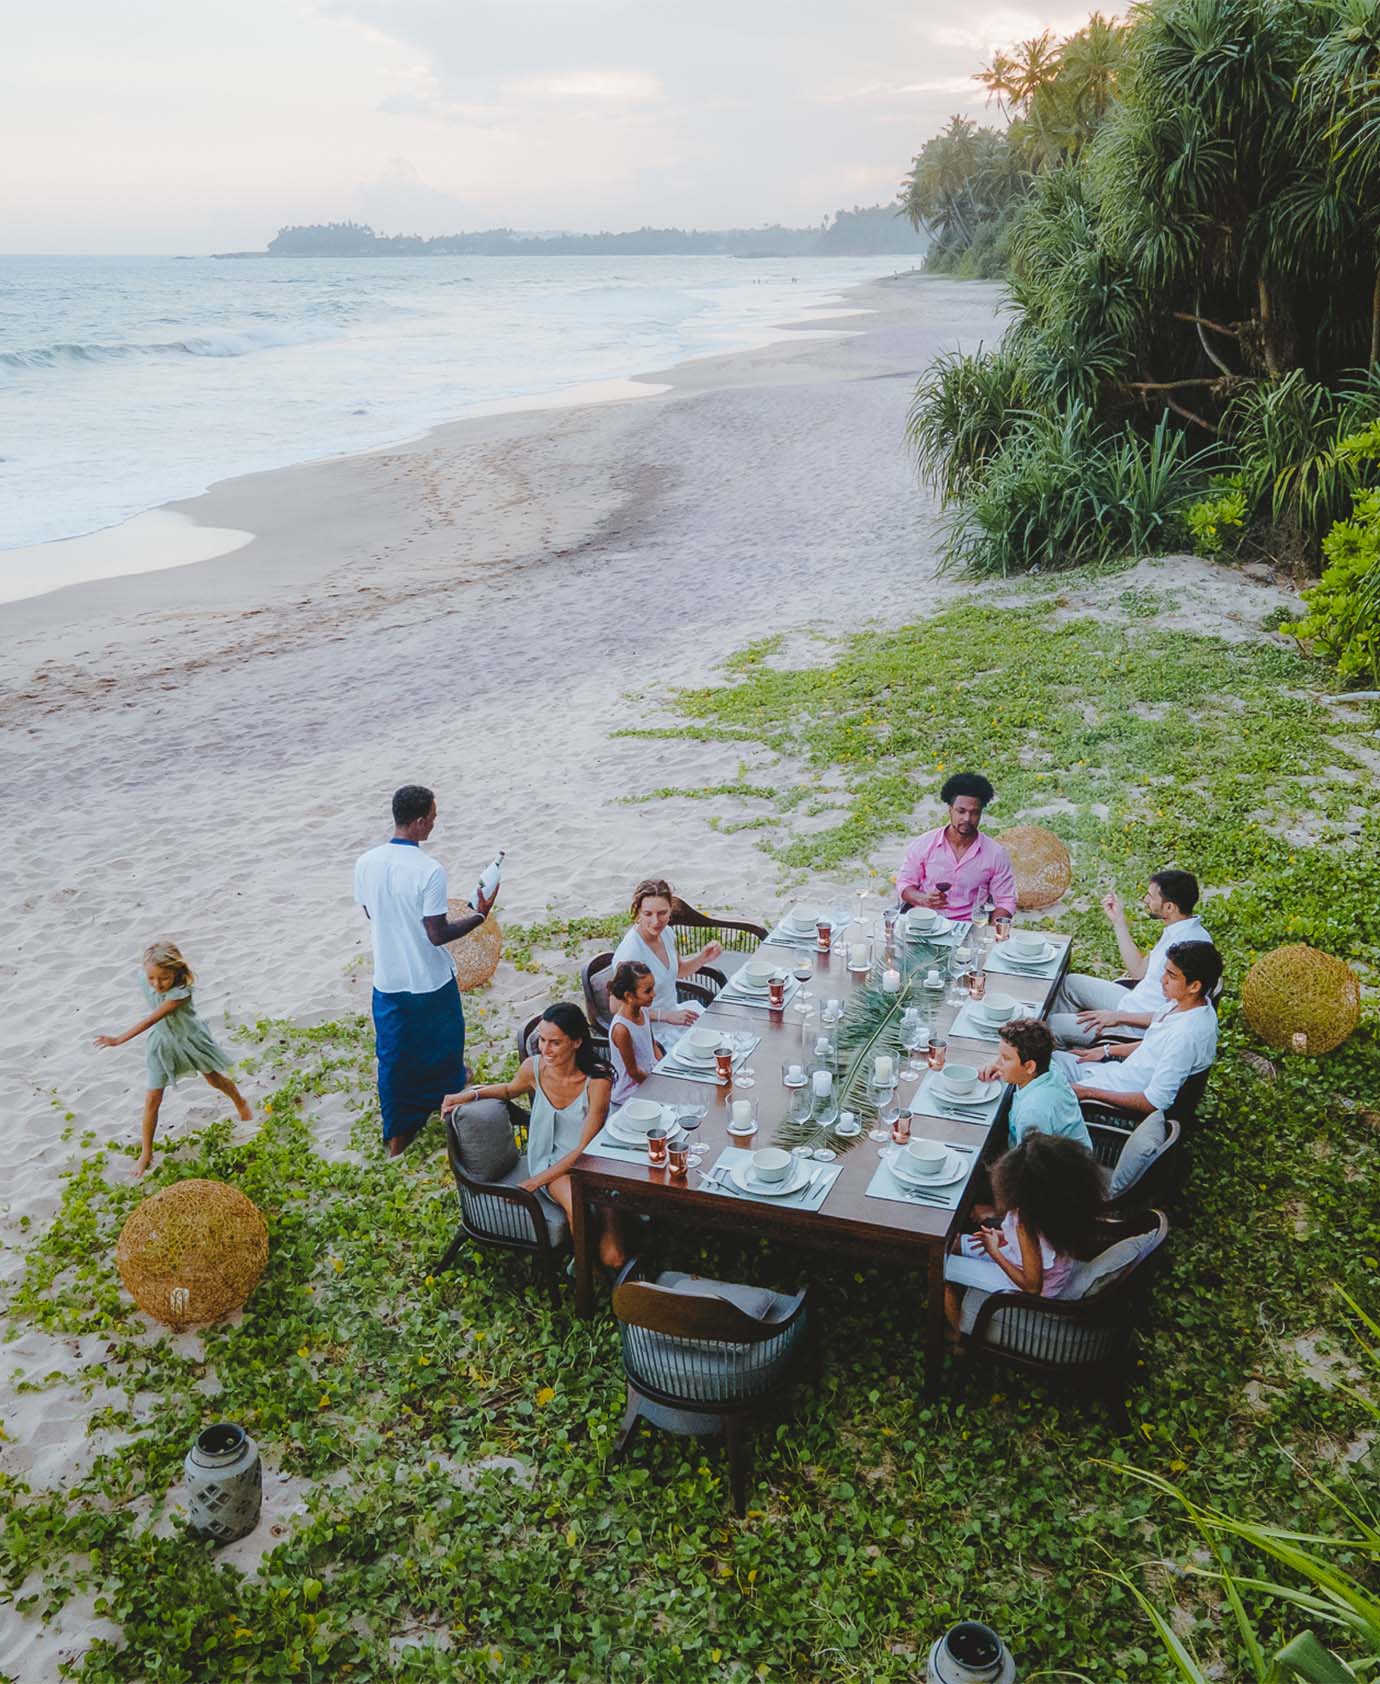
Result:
[[922, 918], [703, 1040], [640, 1115], [803, 917], [997, 1008], [759, 972], [1028, 942], [926, 1157], [771, 1164], [959, 1078]]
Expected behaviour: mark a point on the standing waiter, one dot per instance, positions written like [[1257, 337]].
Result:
[[419, 1026]]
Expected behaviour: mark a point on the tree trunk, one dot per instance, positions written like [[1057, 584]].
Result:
[[1375, 323], [1267, 329]]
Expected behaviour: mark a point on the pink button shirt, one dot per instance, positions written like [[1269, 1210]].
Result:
[[985, 870]]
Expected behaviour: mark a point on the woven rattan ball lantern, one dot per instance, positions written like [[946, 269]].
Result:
[[476, 955], [193, 1252], [1043, 868], [1301, 999]]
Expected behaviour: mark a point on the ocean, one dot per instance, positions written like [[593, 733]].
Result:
[[126, 383]]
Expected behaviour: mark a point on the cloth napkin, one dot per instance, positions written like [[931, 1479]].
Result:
[[811, 1199]]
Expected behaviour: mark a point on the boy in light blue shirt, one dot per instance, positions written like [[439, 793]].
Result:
[[1044, 1101]]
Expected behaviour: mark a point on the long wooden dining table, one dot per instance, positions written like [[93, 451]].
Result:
[[910, 1235]]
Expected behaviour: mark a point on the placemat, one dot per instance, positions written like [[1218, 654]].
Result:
[[935, 1104], [786, 935], [671, 1066], [884, 1185], [976, 1028], [734, 994], [810, 1198], [952, 932], [605, 1145], [997, 961]]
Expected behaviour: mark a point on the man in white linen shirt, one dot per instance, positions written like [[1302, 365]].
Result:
[[1146, 1075], [419, 1025], [1086, 1006]]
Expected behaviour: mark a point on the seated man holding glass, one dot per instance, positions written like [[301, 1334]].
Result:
[[1146, 1075], [955, 869]]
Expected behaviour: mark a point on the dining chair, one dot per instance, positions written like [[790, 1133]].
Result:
[[1083, 1340], [708, 1357], [494, 1210], [1141, 1164], [594, 980]]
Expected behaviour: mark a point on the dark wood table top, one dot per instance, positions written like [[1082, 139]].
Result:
[[846, 1209]]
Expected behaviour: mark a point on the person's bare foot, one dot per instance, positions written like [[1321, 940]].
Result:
[[145, 1159], [244, 1110]]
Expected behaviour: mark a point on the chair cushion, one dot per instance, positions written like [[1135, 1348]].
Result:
[[484, 1140], [754, 1301], [500, 1219], [1087, 1279], [708, 1372], [1143, 1145]]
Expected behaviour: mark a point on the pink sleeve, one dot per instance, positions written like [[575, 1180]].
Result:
[[1003, 881], [912, 872]]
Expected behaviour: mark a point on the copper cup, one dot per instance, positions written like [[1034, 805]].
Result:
[[656, 1148], [1002, 925], [939, 1046], [679, 1158], [776, 992], [900, 1127], [723, 1063], [977, 984], [824, 935]]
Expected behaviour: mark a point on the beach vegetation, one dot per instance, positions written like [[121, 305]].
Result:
[[1202, 266], [441, 1500]]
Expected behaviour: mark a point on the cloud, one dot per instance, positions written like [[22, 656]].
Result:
[[616, 87]]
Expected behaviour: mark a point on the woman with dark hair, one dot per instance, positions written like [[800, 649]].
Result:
[[652, 942], [955, 867], [1050, 1192], [570, 1086]]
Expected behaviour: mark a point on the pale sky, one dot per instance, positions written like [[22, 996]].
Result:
[[204, 125]]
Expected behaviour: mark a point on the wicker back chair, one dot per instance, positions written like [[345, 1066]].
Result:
[[1183, 1109], [1142, 1165], [594, 980], [507, 1217], [703, 1356], [1076, 1339]]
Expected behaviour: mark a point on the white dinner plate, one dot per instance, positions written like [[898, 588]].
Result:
[[741, 1176], [631, 1137], [1031, 960], [689, 1055], [748, 986], [955, 1167], [933, 933], [974, 1099]]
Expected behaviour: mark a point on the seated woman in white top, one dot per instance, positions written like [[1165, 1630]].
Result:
[[1146, 1075], [569, 1086], [652, 941]]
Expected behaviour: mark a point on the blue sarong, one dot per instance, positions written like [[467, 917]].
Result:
[[419, 1040]]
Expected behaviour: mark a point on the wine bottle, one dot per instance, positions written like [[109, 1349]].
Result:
[[493, 876]]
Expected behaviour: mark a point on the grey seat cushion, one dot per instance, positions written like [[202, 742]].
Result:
[[1143, 1145], [1117, 1261], [755, 1301], [484, 1139], [500, 1219]]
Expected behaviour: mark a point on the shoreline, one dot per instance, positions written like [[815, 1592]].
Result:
[[85, 557]]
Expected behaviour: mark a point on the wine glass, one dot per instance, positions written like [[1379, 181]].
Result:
[[689, 1117], [944, 888], [914, 1036], [882, 1096], [803, 970], [744, 1042]]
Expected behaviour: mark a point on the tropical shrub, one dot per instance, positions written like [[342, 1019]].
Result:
[[1219, 519], [1343, 617]]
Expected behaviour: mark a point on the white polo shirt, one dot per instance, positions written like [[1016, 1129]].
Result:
[[1177, 1045], [398, 885], [1148, 993]]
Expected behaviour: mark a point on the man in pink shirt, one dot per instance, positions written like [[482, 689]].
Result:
[[955, 868]]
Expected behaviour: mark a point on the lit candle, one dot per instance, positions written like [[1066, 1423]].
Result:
[[795, 1074], [857, 956], [934, 980], [742, 1112], [891, 982]]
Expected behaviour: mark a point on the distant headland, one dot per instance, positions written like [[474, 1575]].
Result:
[[871, 231]]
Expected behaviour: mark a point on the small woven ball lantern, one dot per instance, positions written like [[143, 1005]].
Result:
[[1043, 867], [192, 1253], [476, 955], [1301, 999]]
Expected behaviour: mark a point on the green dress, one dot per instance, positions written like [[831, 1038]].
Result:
[[180, 1044]]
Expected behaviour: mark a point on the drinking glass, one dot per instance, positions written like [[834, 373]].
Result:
[[914, 1036], [944, 888], [939, 1046], [804, 969], [744, 1043], [776, 991], [1001, 925], [678, 1159], [842, 914], [690, 1117], [800, 1104], [900, 1128], [889, 1118], [883, 1097], [656, 1148]]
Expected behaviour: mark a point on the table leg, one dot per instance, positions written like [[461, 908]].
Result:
[[934, 1324], [580, 1240]]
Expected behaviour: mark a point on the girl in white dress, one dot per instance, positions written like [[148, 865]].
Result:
[[633, 1050], [652, 942]]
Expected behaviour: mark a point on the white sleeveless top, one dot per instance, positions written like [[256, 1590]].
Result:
[[664, 999], [643, 1051], [552, 1133]]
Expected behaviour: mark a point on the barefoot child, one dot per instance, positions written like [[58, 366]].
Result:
[[179, 1043], [632, 1049]]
